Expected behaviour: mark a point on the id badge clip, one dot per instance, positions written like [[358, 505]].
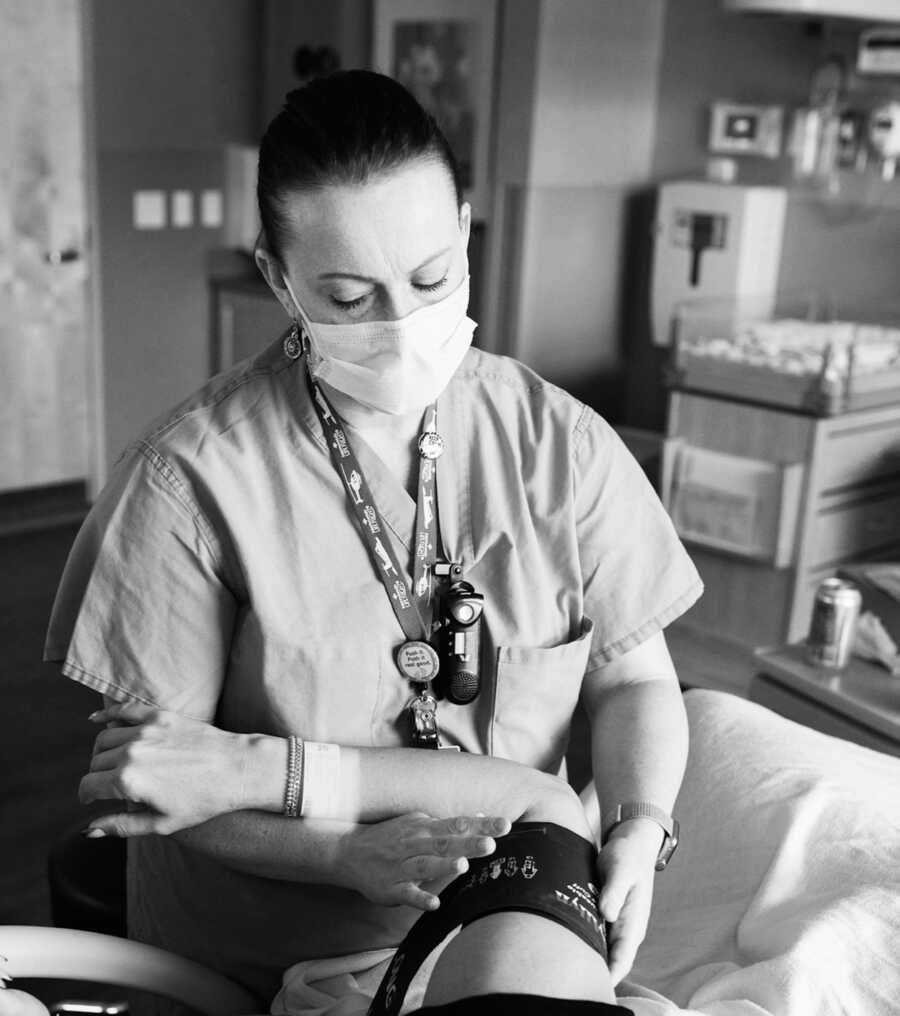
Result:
[[422, 711], [423, 720], [449, 570]]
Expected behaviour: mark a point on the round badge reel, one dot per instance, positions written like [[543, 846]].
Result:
[[431, 445], [418, 662]]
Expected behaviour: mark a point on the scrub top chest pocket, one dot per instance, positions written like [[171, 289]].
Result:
[[535, 694]]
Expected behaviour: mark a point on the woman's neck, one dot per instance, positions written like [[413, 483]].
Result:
[[366, 420], [394, 438]]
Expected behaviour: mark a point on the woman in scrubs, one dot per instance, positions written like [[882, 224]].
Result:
[[508, 958], [231, 571]]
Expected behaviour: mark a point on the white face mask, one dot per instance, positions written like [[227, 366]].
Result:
[[393, 366]]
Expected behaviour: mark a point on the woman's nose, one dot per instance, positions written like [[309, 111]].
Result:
[[397, 303]]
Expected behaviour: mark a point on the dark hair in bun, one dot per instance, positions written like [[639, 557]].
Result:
[[342, 129]]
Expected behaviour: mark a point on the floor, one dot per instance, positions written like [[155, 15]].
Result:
[[46, 740]]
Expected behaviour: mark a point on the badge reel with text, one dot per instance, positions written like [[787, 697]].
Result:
[[459, 618]]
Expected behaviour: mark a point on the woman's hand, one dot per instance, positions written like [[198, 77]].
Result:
[[410, 859], [183, 772], [627, 867], [19, 1003], [180, 771]]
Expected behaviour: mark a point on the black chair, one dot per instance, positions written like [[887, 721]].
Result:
[[87, 883]]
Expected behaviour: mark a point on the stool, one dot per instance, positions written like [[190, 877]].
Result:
[[87, 883]]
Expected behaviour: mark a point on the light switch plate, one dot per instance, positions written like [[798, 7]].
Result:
[[211, 211], [149, 209], [182, 209]]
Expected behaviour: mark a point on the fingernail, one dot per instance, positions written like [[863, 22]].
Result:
[[462, 865], [94, 834], [487, 844], [95, 715]]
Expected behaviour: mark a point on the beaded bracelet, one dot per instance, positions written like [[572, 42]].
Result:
[[293, 786]]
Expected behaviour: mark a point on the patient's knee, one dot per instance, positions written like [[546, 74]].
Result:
[[553, 800]]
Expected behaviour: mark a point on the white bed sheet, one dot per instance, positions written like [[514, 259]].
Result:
[[782, 900]]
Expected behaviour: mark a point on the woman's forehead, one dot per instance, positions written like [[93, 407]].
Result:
[[400, 217]]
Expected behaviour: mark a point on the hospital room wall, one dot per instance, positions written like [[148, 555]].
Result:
[[618, 101], [173, 83], [575, 120], [831, 246], [594, 104], [708, 54]]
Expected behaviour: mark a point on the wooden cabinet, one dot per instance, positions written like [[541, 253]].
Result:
[[860, 703], [246, 318], [845, 507]]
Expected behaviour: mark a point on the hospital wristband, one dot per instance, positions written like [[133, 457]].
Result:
[[321, 790], [293, 784]]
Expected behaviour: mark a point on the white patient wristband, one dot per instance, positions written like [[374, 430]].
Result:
[[321, 786]]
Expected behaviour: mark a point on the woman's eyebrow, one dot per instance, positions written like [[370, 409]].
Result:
[[365, 278]]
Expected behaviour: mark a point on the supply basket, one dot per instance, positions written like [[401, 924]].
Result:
[[801, 351]]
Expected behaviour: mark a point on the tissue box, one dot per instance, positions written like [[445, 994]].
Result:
[[880, 603]]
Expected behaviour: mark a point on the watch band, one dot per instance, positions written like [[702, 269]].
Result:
[[644, 809]]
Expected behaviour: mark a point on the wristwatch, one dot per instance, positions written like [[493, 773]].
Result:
[[643, 809]]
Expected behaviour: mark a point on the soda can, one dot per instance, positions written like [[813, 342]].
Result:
[[833, 624]]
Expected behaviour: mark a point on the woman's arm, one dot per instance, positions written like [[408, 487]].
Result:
[[221, 793], [639, 738], [186, 771], [391, 863], [200, 778]]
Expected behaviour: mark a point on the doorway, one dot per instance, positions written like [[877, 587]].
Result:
[[49, 348]]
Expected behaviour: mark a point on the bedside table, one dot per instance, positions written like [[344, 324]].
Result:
[[860, 703]]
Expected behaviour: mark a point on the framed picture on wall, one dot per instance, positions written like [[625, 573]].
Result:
[[443, 52]]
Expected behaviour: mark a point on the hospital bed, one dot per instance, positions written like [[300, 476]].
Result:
[[783, 898]]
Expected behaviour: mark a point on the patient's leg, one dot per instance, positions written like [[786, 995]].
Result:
[[555, 948], [519, 953], [522, 952]]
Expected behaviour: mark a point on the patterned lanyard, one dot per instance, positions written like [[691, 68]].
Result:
[[416, 658]]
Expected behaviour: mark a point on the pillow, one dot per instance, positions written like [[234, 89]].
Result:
[[784, 894]]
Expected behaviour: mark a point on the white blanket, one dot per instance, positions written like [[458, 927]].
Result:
[[782, 900]]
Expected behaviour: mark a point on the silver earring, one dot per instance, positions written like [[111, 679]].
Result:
[[293, 343]]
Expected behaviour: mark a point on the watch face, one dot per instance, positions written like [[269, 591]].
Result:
[[668, 847]]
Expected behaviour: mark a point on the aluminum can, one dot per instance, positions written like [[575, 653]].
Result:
[[832, 627]]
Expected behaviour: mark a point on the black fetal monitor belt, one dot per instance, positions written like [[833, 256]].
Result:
[[538, 868]]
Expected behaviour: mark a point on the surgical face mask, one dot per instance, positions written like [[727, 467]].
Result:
[[396, 367]]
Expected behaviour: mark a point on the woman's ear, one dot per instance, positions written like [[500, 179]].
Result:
[[272, 272], [465, 222]]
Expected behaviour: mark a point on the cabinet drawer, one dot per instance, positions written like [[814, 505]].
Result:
[[246, 323], [856, 529], [855, 455]]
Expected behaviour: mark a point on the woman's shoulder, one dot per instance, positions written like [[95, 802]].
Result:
[[501, 385], [236, 397]]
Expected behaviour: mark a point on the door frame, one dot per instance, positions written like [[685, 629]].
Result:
[[96, 477]]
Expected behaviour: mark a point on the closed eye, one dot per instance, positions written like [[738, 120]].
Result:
[[431, 287], [355, 304], [350, 304]]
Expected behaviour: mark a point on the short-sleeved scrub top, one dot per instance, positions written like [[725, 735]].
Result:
[[221, 574]]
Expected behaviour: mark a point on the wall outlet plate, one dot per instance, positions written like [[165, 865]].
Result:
[[742, 129]]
